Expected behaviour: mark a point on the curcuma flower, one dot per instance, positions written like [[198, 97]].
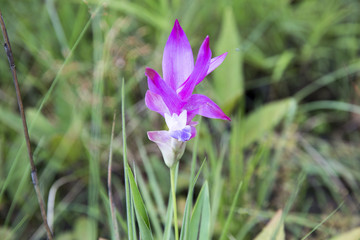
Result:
[[172, 96]]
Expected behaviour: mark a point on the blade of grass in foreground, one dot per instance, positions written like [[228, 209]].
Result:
[[140, 210], [114, 224], [150, 207], [129, 218], [187, 212], [200, 219]]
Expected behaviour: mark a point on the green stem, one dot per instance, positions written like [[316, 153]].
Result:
[[173, 192]]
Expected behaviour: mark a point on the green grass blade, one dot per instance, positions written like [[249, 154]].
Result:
[[129, 218], [231, 213], [205, 216], [322, 222], [59, 31], [280, 225], [331, 105], [140, 210], [151, 208], [200, 219], [188, 205], [327, 79], [95, 131], [113, 222]]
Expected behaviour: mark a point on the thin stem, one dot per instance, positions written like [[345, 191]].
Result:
[[112, 207], [173, 192], [34, 176]]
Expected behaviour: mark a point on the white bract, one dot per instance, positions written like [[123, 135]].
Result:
[[172, 143], [177, 126]]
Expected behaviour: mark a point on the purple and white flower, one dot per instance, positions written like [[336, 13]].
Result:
[[172, 96]]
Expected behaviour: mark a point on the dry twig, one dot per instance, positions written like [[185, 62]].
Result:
[[34, 177]]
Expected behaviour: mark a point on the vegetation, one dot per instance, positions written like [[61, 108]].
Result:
[[289, 83]]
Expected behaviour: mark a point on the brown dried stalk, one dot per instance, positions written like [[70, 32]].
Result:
[[34, 177]]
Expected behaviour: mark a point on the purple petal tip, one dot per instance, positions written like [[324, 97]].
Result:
[[207, 40], [177, 25], [149, 72]]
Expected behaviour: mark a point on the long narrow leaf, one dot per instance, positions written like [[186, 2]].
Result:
[[205, 216], [131, 231], [149, 203], [198, 223], [141, 214], [186, 219]]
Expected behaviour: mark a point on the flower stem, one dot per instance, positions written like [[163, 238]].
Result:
[[173, 192]]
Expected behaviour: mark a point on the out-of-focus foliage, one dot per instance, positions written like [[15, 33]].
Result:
[[289, 83]]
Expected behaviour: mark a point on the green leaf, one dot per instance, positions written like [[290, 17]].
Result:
[[353, 234], [205, 216], [282, 63], [200, 219], [141, 214], [269, 230], [186, 219], [264, 119], [129, 206], [228, 77]]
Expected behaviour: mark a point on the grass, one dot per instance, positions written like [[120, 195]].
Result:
[[292, 142]]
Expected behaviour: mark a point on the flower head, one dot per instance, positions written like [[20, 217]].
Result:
[[172, 96]]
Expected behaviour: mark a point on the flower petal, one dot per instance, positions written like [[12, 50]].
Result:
[[178, 60], [200, 70], [158, 85], [171, 149], [215, 62], [176, 122], [182, 135], [193, 132], [155, 103], [202, 105]]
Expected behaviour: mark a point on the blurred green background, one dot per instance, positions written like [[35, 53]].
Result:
[[290, 83]]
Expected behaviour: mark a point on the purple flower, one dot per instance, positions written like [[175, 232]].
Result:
[[172, 96]]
